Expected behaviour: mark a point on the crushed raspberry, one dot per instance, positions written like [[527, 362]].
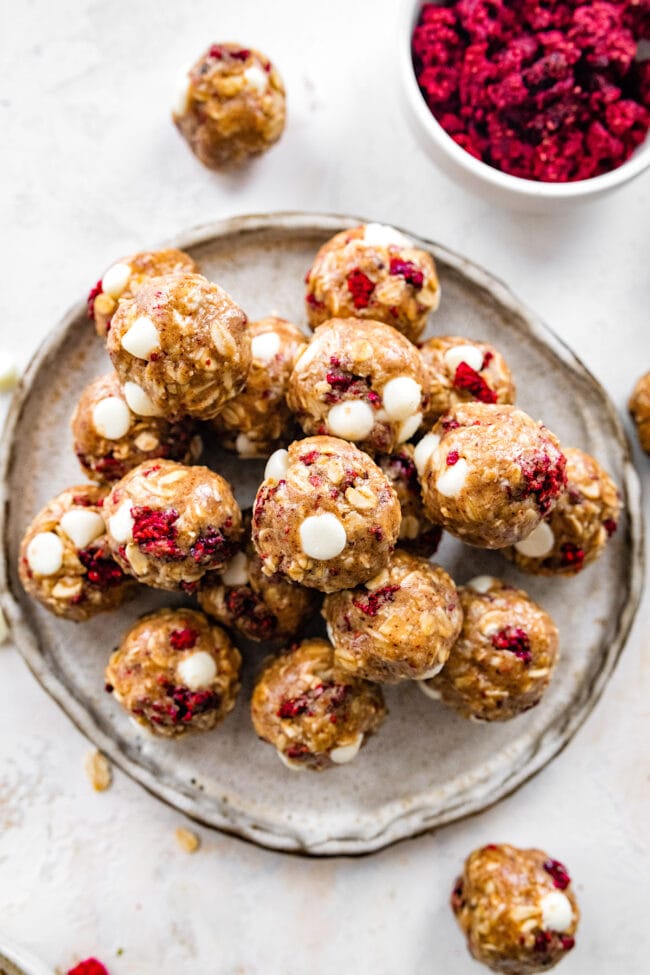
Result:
[[151, 470], [457, 899], [155, 532], [179, 705], [543, 940], [572, 555], [514, 639], [558, 872], [215, 52], [567, 942], [101, 571], [408, 270], [89, 967], [313, 301], [376, 600], [487, 359], [377, 533], [330, 695], [298, 752], [90, 300], [251, 613], [83, 501], [449, 423], [452, 457], [341, 380], [470, 380], [610, 526], [310, 457], [360, 287], [212, 546], [545, 478], [183, 639], [240, 55]]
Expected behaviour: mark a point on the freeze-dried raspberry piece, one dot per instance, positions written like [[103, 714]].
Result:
[[360, 287], [470, 380], [376, 600], [91, 966]]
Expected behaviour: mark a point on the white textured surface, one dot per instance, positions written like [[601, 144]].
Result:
[[94, 169]]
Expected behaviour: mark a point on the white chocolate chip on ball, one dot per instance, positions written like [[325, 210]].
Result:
[[557, 913], [82, 526], [142, 338], [424, 451], [345, 753], [9, 374], [290, 762], [235, 573], [452, 481], [351, 420], [431, 692], [381, 235], [245, 446], [277, 465], [409, 427], [401, 397], [111, 418], [265, 346], [182, 93], [468, 354], [146, 441], [45, 554], [322, 536], [197, 670], [434, 670], [256, 78], [139, 401], [120, 524], [539, 543], [482, 584], [116, 279]]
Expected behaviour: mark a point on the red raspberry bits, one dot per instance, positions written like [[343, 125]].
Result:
[[90, 300], [514, 639], [558, 872], [610, 526], [89, 967], [183, 639], [408, 270], [360, 287], [376, 600], [101, 571], [572, 555], [470, 380], [155, 531], [545, 91]]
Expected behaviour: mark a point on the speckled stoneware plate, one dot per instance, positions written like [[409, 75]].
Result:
[[426, 767]]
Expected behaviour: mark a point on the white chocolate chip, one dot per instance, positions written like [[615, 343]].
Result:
[[9, 373], [431, 692], [409, 427], [381, 235], [468, 354], [434, 670], [139, 401], [351, 420], [277, 465], [345, 753], [539, 543], [256, 78], [45, 554], [401, 397], [235, 573], [322, 536], [146, 441], [290, 762], [245, 446], [425, 450], [116, 279], [482, 584], [82, 526], [265, 346], [452, 481], [197, 670], [120, 524], [142, 338], [182, 93], [557, 913], [111, 418]]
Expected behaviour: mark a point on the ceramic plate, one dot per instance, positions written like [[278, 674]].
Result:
[[427, 766]]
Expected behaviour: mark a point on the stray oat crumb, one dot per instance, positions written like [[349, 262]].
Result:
[[187, 840], [99, 771]]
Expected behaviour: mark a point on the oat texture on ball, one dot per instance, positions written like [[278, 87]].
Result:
[[417, 533], [325, 515], [461, 370], [373, 272], [231, 106], [639, 406], [315, 715]]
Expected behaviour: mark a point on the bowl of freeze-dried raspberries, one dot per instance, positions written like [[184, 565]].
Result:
[[539, 102]]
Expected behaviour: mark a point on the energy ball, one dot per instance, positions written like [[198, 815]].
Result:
[[400, 626], [460, 370], [258, 606], [503, 660], [361, 381], [174, 672], [65, 561], [325, 515], [577, 529], [231, 106], [489, 473], [123, 279], [315, 715], [516, 909], [417, 534], [110, 439], [639, 407], [169, 524], [257, 421], [373, 272], [180, 347]]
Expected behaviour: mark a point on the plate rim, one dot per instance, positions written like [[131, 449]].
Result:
[[414, 820]]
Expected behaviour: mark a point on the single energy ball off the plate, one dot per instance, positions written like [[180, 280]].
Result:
[[373, 272], [123, 278], [460, 370], [325, 515], [258, 606], [417, 533], [400, 626], [315, 715], [257, 421], [180, 347], [489, 473], [639, 407], [174, 672], [231, 106], [169, 524], [110, 439], [504, 658], [65, 561], [576, 531], [516, 908], [361, 381]]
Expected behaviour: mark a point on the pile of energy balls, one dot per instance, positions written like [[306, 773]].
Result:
[[376, 444]]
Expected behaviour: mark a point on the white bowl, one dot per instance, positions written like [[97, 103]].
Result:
[[513, 191]]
